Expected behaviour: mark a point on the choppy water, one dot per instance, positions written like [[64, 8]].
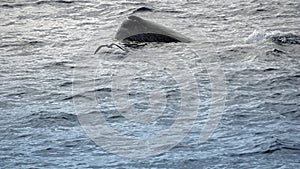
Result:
[[256, 43]]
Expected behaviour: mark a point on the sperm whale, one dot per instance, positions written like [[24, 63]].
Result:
[[135, 30]]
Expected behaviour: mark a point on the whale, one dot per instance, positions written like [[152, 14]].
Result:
[[141, 30], [135, 30]]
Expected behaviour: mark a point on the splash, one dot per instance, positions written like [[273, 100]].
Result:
[[278, 37]]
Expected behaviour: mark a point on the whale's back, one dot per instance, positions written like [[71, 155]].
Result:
[[141, 30]]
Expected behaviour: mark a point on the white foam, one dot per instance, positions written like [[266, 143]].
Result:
[[258, 36]]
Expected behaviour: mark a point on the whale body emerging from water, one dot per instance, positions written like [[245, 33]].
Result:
[[135, 30], [141, 30]]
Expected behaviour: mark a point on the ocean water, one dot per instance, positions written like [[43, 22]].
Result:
[[49, 72]]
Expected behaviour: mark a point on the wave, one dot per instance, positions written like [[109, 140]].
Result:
[[44, 119], [269, 147], [142, 9]]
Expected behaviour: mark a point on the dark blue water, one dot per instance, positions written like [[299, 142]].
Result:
[[47, 54]]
